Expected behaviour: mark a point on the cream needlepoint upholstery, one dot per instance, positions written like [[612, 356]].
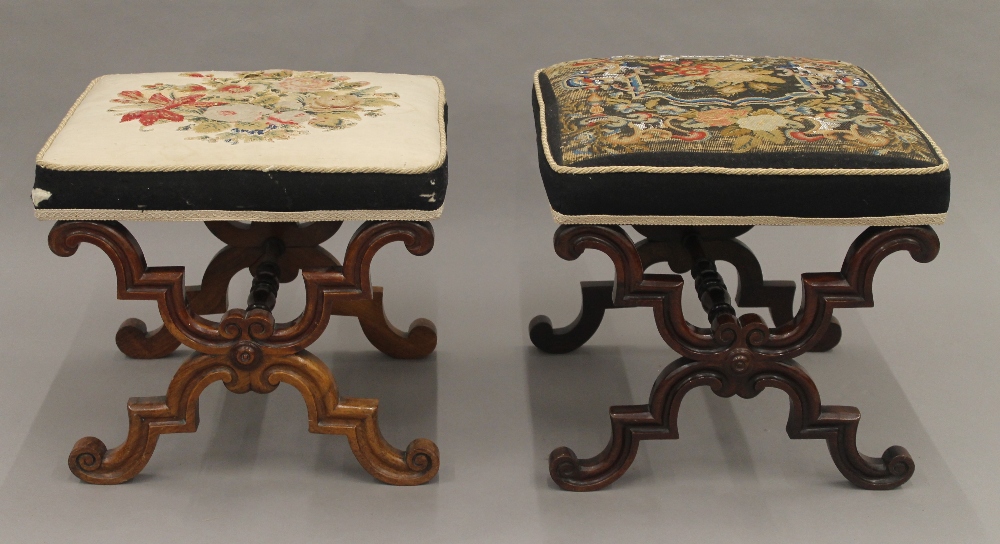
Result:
[[271, 145], [732, 141]]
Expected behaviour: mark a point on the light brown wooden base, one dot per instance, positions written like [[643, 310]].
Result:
[[247, 350], [177, 412]]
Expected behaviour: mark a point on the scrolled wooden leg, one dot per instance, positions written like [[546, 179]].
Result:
[[135, 342], [630, 425], [739, 355], [838, 425], [417, 343], [808, 418], [753, 290], [246, 349], [756, 292], [357, 419], [208, 298], [597, 297], [149, 417], [177, 412], [417, 465], [421, 339]]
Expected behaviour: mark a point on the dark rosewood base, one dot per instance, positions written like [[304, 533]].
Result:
[[246, 349], [738, 355]]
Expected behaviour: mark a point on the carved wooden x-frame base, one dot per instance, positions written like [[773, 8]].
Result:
[[247, 350], [737, 355]]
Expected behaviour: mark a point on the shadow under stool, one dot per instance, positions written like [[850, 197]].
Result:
[[693, 152]]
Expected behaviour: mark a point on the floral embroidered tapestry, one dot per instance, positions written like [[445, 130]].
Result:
[[624, 105], [254, 106]]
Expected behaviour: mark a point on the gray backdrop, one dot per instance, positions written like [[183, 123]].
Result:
[[919, 365]]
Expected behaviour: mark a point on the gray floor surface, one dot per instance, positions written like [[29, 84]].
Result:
[[919, 365]]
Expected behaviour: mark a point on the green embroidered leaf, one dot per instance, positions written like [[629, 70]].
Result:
[[734, 130], [266, 100], [255, 125], [774, 136], [209, 125], [277, 74], [743, 143], [376, 102], [335, 120], [282, 134]]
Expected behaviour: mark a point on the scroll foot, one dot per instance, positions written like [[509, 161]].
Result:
[[597, 297], [357, 419], [148, 418], [417, 343], [134, 341], [808, 419], [839, 426]]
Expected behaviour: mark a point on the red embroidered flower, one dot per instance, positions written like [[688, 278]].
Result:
[[720, 117], [235, 88], [683, 68], [165, 109], [693, 136], [130, 97]]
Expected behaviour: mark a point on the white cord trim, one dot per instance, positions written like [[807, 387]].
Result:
[[40, 161], [757, 220], [558, 168], [227, 215]]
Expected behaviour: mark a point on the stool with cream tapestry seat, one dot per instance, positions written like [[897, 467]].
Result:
[[273, 162]]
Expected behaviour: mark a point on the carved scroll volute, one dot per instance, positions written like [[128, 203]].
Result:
[[571, 240], [662, 292], [741, 337], [351, 281], [136, 281], [877, 243], [418, 237], [850, 288]]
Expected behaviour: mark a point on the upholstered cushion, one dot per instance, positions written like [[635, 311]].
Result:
[[272, 145], [732, 140]]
